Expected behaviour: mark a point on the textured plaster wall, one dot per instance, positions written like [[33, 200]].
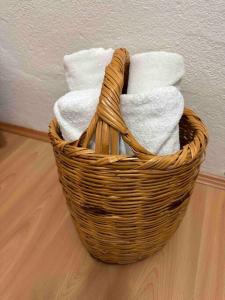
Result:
[[35, 34]]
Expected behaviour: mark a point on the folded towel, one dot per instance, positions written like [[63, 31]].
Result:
[[152, 117], [74, 112], [85, 69], [154, 69]]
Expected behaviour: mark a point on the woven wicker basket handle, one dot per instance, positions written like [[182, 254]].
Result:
[[107, 123]]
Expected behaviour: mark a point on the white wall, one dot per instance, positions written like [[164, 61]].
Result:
[[35, 34]]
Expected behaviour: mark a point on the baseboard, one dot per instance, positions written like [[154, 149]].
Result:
[[30, 133], [211, 180], [203, 178]]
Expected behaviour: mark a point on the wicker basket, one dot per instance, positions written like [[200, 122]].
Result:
[[125, 207]]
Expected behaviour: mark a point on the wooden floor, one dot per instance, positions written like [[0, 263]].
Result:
[[41, 256]]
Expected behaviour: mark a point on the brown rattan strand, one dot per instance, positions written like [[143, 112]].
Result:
[[126, 207]]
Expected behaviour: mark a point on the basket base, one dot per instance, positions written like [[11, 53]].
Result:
[[123, 261]]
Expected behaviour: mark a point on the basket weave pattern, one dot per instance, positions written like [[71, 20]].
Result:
[[125, 207]]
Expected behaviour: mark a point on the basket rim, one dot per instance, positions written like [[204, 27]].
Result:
[[188, 153]]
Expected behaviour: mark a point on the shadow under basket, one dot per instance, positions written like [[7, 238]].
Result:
[[125, 208]]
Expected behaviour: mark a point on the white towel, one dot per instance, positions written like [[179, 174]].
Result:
[[152, 117], [85, 69], [154, 69], [151, 108], [74, 112]]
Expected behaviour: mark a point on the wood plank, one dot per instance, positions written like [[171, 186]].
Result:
[[41, 256], [9, 143]]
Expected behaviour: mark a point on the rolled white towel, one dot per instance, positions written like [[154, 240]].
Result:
[[154, 69], [85, 69], [74, 112], [152, 117]]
